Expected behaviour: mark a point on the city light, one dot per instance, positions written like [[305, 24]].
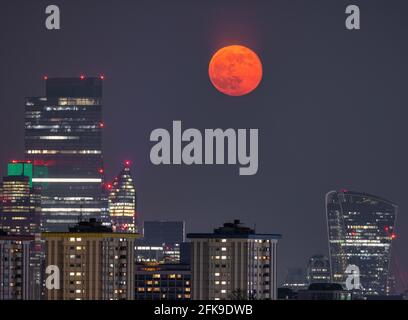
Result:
[[66, 180]]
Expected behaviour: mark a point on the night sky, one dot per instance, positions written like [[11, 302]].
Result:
[[332, 107]]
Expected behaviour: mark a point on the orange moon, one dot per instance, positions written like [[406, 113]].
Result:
[[235, 70]]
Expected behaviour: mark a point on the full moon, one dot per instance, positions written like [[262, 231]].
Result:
[[235, 70]]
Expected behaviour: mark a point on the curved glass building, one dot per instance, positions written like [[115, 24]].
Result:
[[360, 230]]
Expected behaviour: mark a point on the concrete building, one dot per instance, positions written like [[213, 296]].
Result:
[[94, 262], [234, 262], [162, 282], [15, 271]]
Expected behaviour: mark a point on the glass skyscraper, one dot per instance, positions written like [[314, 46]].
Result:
[[63, 132], [360, 229], [20, 207], [122, 201]]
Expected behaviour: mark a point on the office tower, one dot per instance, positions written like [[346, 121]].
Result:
[[122, 201], [20, 214], [20, 206], [360, 229], [162, 282], [318, 269], [295, 279], [15, 271], [63, 134], [95, 263], [234, 262]]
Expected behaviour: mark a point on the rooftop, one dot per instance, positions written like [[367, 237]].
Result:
[[91, 226], [236, 230]]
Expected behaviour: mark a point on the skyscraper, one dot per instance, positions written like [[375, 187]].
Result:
[[318, 269], [20, 206], [233, 263], [122, 201], [20, 214], [63, 133], [360, 229], [94, 262]]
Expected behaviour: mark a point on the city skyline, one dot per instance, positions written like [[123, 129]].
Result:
[[316, 135]]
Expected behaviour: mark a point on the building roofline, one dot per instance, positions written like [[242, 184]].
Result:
[[357, 193], [233, 236], [89, 235]]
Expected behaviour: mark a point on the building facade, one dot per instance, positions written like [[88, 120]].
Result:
[[122, 201], [63, 133], [20, 206], [155, 281], [318, 269], [233, 263], [361, 228], [15, 270], [94, 263]]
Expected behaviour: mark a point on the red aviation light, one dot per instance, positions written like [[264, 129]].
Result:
[[127, 163], [82, 77], [109, 186], [102, 77], [101, 125], [393, 236], [101, 170], [45, 77]]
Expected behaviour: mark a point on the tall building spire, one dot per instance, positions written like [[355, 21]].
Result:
[[122, 201]]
